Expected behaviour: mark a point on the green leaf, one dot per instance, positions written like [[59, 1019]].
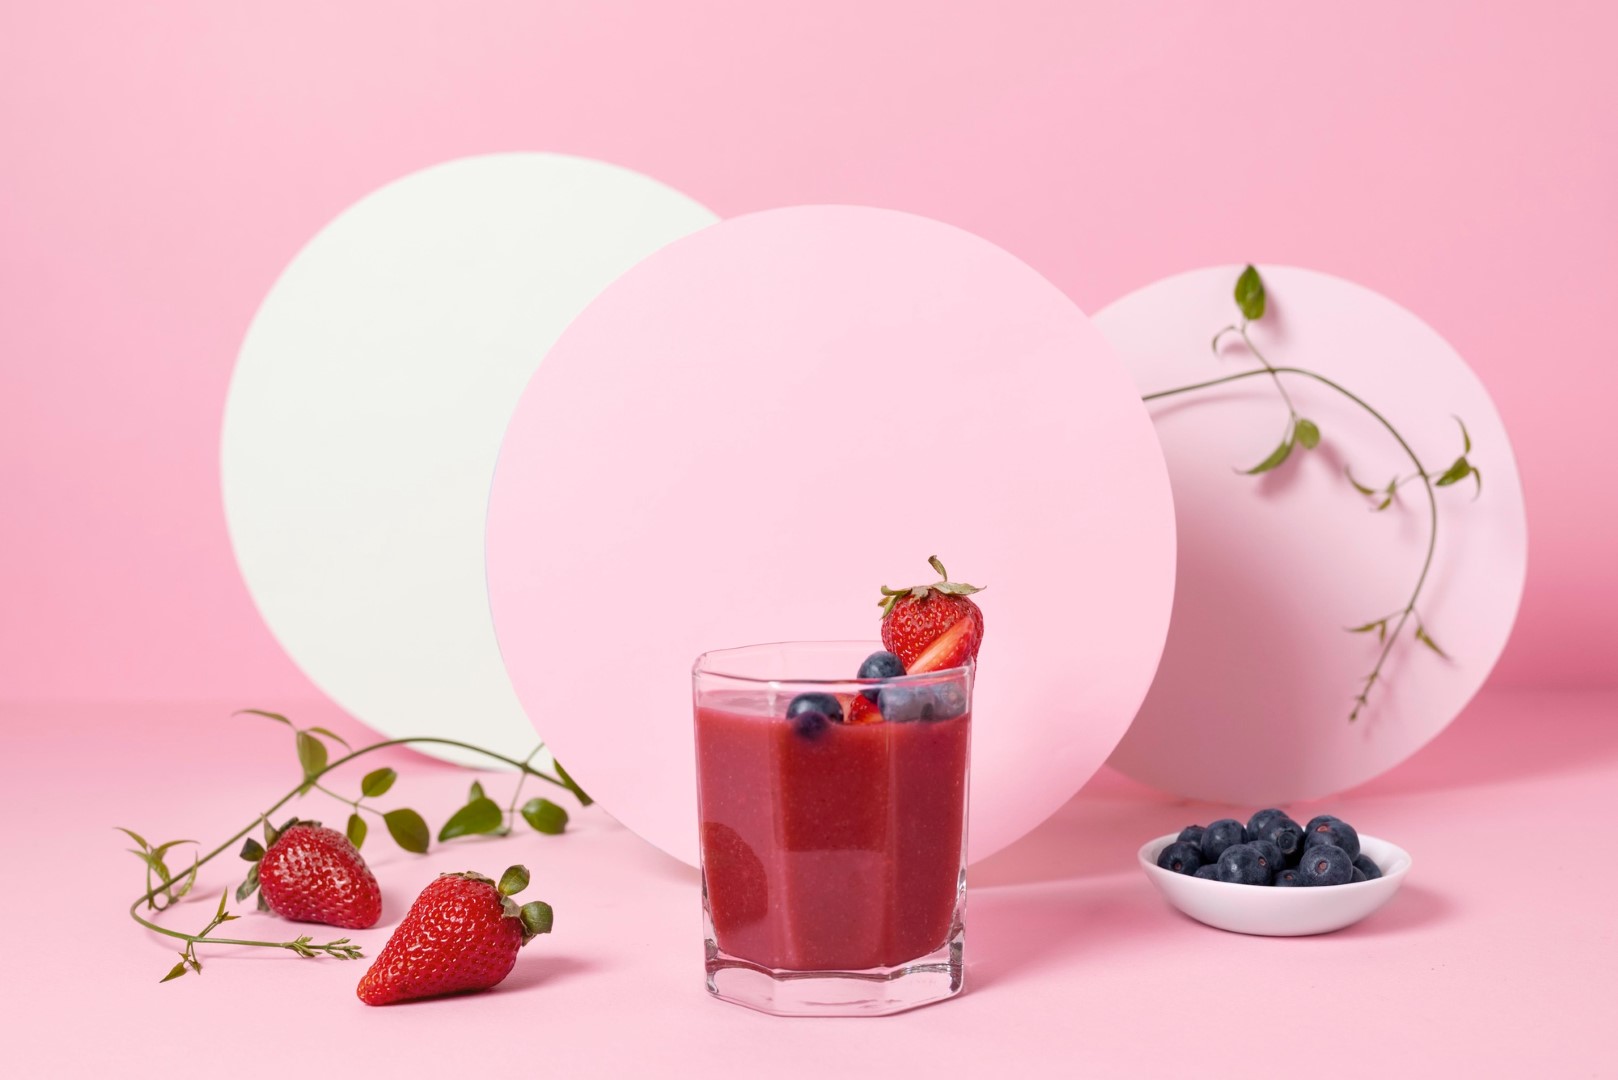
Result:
[[545, 816], [1427, 640], [268, 715], [408, 829], [189, 881], [1359, 487], [332, 735], [356, 830], [572, 785], [135, 836], [252, 850], [1306, 432], [155, 861], [1277, 456], [1368, 627], [476, 817], [1477, 474], [475, 792], [311, 755], [513, 881], [1250, 294], [263, 904], [377, 782], [1455, 473], [220, 914], [163, 849], [271, 833], [176, 971], [537, 918], [1465, 438], [248, 885]]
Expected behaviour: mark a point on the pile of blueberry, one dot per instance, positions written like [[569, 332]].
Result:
[[812, 713], [1271, 849]]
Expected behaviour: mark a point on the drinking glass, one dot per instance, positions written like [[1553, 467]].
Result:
[[833, 830]]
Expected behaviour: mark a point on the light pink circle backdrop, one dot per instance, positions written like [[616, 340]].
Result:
[[745, 435], [1251, 700]]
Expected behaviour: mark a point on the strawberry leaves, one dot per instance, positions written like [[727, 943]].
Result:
[[890, 597], [536, 915]]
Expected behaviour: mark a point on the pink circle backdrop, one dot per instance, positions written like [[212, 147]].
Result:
[[745, 435], [1251, 701]]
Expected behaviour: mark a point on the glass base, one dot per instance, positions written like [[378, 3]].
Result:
[[870, 992]]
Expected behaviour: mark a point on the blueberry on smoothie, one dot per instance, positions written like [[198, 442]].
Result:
[[1326, 864], [809, 724], [1219, 836], [827, 706], [1363, 863], [902, 703], [949, 700], [1243, 864], [1181, 858], [1331, 831], [879, 665]]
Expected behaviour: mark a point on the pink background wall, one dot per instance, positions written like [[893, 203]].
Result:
[[158, 170]]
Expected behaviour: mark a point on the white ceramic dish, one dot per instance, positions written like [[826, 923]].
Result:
[[1272, 912]]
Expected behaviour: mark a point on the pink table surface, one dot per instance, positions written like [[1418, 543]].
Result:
[[1075, 967]]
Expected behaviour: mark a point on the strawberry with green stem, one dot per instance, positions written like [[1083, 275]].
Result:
[[934, 626], [406, 826], [310, 873], [462, 934]]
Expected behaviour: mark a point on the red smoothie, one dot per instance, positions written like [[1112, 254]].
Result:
[[837, 851]]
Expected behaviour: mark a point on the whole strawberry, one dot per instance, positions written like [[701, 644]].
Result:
[[313, 874], [932, 627], [462, 933]]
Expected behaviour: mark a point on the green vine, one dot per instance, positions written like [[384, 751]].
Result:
[[407, 828], [1251, 301]]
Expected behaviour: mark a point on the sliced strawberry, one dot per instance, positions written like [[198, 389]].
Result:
[[953, 647], [917, 621], [861, 711]]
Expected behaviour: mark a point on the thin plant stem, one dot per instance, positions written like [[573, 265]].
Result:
[[1404, 615], [302, 946], [511, 810]]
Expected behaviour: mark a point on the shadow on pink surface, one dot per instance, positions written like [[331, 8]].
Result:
[[1495, 742], [1072, 895]]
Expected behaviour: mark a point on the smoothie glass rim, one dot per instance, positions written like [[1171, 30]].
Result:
[[704, 666]]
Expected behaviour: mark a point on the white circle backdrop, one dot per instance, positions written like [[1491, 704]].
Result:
[[366, 411]]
